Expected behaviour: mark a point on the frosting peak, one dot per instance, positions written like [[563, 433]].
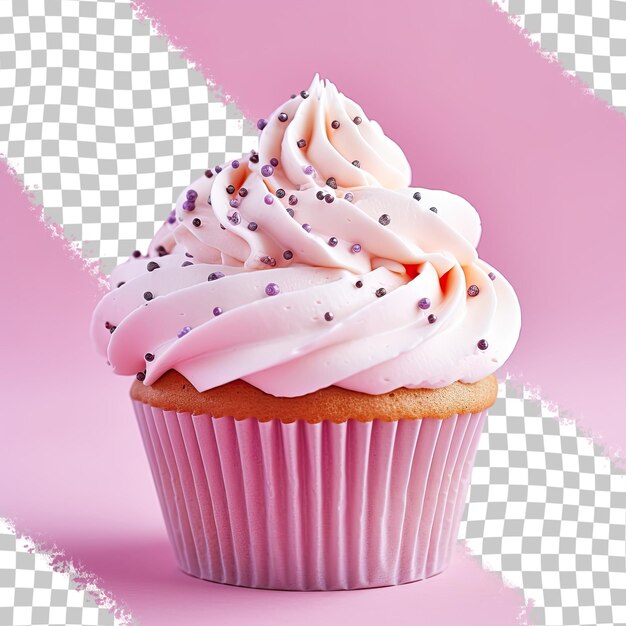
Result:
[[312, 263]]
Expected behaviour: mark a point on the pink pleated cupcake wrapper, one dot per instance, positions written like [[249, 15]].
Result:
[[310, 506]]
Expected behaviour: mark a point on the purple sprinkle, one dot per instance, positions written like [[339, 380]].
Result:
[[482, 344], [328, 316], [358, 284], [234, 203], [274, 162], [268, 260], [188, 205], [291, 212], [301, 143], [183, 331], [417, 195], [269, 199], [235, 164], [432, 318], [189, 255], [141, 376], [208, 173], [424, 304], [215, 275], [433, 209], [243, 192], [148, 356], [287, 255], [472, 291], [329, 198], [283, 117], [122, 282], [218, 168], [153, 265], [356, 163], [148, 295], [293, 200], [335, 124], [217, 311], [381, 292], [308, 170], [261, 124], [267, 170], [186, 264], [192, 195], [197, 222], [320, 195], [356, 248], [272, 289], [333, 241], [252, 226], [384, 219], [280, 193], [491, 275], [304, 94], [254, 157], [307, 227], [332, 182], [357, 120], [171, 219], [234, 218], [348, 196]]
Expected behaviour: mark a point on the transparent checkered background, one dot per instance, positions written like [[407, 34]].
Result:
[[105, 139]]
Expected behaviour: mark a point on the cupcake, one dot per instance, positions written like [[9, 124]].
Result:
[[314, 343]]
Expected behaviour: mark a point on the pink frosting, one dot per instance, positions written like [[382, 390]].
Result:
[[352, 251]]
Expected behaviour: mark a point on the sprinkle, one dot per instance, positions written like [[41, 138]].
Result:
[[293, 200], [356, 248], [356, 163], [274, 162], [136, 254], [308, 170], [272, 289], [107, 325], [218, 168], [320, 195], [329, 198], [424, 304], [293, 95], [417, 195], [280, 193], [186, 263], [141, 376], [153, 265], [331, 182], [112, 328], [197, 222], [268, 260], [188, 205], [235, 164], [148, 356], [122, 282], [358, 284], [491, 275], [254, 158], [267, 170], [301, 143], [234, 203], [381, 292], [287, 255], [328, 316], [252, 226], [148, 295], [283, 117], [183, 331], [348, 196], [384, 219], [222, 227], [307, 227], [217, 311], [269, 199], [304, 94], [192, 195], [482, 344], [291, 212], [472, 291], [215, 276], [335, 124], [357, 120], [230, 189], [243, 192], [234, 218], [333, 241], [189, 255], [433, 209], [261, 124], [208, 173], [171, 219], [432, 318], [161, 251]]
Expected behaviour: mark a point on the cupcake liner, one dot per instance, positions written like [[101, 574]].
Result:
[[305, 506]]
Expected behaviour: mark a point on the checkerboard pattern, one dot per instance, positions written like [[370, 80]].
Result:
[[32, 592], [105, 139], [588, 38], [104, 122]]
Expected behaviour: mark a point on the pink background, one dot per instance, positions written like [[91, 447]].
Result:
[[478, 112]]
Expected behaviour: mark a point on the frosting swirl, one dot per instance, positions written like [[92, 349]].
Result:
[[295, 269]]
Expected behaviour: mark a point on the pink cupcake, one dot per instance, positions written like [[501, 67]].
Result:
[[314, 343]]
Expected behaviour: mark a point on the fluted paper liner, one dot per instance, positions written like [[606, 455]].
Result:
[[310, 506]]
